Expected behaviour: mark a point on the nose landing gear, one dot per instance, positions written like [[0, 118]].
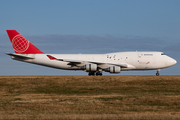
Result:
[[157, 74]]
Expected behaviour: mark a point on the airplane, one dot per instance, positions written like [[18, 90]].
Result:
[[94, 64]]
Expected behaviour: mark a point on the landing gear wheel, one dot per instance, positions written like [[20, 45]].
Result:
[[157, 74], [98, 73], [91, 73]]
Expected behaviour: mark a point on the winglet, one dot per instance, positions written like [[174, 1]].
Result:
[[21, 45], [51, 57]]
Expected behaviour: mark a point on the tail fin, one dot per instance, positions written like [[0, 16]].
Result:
[[21, 45]]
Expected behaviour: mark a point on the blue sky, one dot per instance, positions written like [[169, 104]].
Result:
[[90, 26]]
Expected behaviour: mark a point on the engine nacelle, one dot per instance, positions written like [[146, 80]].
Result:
[[115, 69], [90, 67]]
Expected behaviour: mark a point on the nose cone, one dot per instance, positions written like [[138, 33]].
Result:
[[171, 62]]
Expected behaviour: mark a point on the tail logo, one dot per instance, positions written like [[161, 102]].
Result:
[[20, 44]]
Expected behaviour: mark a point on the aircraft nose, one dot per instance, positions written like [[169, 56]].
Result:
[[172, 62]]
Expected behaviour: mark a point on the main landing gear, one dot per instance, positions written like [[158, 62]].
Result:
[[91, 73], [157, 74], [98, 73]]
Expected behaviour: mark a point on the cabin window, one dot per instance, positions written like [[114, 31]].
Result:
[[162, 54]]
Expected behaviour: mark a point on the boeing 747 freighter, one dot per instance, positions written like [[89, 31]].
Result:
[[94, 64]]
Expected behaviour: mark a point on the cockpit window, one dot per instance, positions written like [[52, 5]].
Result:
[[162, 54]]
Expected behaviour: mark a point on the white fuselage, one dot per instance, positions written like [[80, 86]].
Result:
[[133, 60]]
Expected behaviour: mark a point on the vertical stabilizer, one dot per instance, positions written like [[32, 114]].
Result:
[[21, 45]]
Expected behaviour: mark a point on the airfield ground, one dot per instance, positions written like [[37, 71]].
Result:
[[90, 97]]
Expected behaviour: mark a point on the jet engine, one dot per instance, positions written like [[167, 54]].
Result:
[[115, 69], [90, 67]]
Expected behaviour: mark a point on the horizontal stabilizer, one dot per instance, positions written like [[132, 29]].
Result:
[[19, 56]]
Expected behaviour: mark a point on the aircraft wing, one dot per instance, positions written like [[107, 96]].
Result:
[[74, 62], [65, 60], [71, 61], [19, 56]]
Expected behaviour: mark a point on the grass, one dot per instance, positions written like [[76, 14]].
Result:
[[90, 97]]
